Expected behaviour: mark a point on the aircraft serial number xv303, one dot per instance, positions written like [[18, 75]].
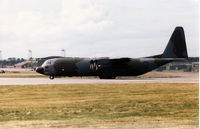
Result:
[[107, 68]]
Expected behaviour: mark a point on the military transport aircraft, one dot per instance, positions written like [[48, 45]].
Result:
[[107, 68]]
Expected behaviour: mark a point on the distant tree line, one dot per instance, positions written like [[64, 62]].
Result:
[[11, 61]]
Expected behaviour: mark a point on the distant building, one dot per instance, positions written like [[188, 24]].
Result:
[[195, 67], [26, 64], [191, 65]]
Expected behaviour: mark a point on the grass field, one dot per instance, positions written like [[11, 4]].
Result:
[[139, 105], [24, 74]]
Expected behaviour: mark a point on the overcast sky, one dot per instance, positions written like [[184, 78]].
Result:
[[95, 28]]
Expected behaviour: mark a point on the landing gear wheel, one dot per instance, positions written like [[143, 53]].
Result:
[[51, 77], [107, 77]]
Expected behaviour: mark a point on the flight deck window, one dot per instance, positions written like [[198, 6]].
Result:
[[48, 62]]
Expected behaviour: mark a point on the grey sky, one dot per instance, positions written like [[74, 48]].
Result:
[[94, 28]]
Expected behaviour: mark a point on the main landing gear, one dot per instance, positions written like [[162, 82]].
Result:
[[107, 76], [51, 77]]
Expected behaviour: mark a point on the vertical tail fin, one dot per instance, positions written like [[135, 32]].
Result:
[[176, 47]]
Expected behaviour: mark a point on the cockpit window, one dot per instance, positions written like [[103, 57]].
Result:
[[48, 62]]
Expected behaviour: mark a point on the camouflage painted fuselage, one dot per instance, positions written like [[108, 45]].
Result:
[[102, 67]]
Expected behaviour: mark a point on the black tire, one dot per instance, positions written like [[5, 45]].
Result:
[[107, 77], [51, 77]]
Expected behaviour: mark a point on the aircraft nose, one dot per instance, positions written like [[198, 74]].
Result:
[[40, 70]]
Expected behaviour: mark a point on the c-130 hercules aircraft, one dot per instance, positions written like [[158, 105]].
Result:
[[107, 68]]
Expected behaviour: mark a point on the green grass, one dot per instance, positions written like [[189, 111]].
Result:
[[22, 75], [174, 103]]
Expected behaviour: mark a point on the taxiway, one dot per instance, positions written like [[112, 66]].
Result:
[[36, 81]]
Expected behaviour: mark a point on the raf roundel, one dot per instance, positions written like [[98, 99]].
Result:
[[174, 50], [146, 63]]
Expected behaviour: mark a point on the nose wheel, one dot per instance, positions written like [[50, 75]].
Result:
[[51, 77]]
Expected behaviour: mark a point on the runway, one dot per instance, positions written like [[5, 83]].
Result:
[[36, 81]]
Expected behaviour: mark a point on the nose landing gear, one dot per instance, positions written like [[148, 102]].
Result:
[[51, 77]]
